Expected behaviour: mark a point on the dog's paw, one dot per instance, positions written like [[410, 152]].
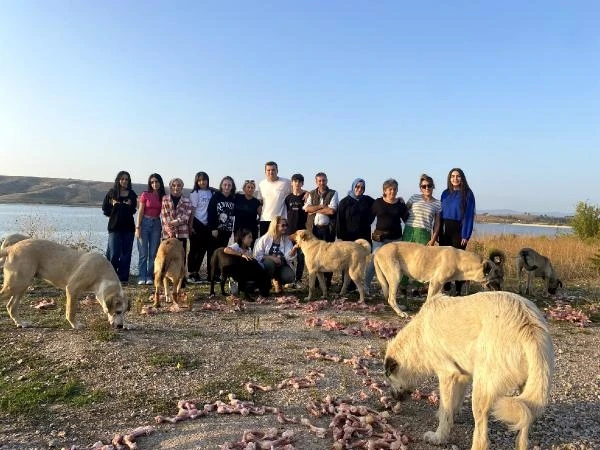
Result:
[[23, 324], [77, 325], [433, 438]]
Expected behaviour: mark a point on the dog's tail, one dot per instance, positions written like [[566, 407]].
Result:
[[525, 255], [519, 411]]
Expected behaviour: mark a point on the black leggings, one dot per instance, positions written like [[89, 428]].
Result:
[[451, 235], [201, 243]]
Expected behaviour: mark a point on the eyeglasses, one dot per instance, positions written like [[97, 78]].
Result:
[[284, 225], [249, 181], [359, 186], [426, 186]]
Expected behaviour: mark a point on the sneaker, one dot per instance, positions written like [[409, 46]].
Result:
[[193, 278], [140, 282], [149, 282], [233, 287]]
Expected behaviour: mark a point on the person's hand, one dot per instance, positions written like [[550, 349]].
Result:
[[114, 202], [248, 257], [215, 233], [138, 233], [463, 242]]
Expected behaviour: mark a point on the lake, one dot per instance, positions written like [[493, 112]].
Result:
[[88, 225]]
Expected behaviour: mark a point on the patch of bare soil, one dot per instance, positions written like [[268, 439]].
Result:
[[115, 382]]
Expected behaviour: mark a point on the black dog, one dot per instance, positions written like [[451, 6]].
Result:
[[248, 274]]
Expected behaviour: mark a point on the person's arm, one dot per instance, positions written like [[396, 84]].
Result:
[[107, 204], [140, 217], [165, 217], [436, 229], [468, 219]]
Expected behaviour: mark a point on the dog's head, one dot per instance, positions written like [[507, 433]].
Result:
[[401, 386], [553, 285], [301, 236], [494, 275], [115, 305]]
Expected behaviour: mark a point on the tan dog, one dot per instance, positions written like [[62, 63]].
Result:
[[349, 257], [75, 271], [169, 265], [499, 341], [537, 266], [436, 265]]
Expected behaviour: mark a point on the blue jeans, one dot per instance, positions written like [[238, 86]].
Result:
[[147, 244], [118, 252], [370, 272]]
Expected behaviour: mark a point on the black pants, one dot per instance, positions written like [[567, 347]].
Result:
[[451, 235], [263, 227], [201, 243]]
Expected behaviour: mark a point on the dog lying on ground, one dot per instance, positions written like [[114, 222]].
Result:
[[349, 257], [499, 341], [537, 266], [436, 265], [248, 274], [75, 271], [169, 265]]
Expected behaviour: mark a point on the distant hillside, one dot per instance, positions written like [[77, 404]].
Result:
[[55, 191]]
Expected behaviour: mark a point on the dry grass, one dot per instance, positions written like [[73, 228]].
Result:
[[571, 257]]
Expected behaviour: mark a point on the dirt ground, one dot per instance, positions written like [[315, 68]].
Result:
[[122, 380]]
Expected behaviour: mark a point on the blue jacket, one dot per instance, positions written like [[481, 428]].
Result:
[[452, 210]]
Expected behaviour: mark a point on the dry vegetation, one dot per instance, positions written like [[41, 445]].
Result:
[[60, 387]]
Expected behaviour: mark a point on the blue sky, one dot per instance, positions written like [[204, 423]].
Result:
[[508, 91]]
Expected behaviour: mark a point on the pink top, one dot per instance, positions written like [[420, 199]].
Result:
[[152, 204]]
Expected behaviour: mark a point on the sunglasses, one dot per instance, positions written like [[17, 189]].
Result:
[[283, 225], [426, 186], [249, 181]]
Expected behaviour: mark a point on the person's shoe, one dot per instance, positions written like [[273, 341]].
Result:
[[141, 282], [277, 286], [149, 282], [193, 278]]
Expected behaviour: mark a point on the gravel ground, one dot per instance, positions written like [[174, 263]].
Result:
[[134, 375]]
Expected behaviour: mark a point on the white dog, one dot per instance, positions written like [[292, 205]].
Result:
[[499, 341], [436, 265], [74, 271]]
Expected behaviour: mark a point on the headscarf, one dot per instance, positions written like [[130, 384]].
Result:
[[354, 183]]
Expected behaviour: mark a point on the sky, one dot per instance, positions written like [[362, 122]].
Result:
[[508, 91]]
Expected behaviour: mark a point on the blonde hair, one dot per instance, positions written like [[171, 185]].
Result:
[[272, 231]]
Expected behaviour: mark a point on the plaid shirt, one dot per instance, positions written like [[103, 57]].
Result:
[[182, 213]]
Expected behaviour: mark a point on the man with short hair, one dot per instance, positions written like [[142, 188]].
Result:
[[321, 206], [294, 203], [272, 192]]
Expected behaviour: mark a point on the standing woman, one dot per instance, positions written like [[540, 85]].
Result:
[[354, 214], [221, 209], [247, 210], [423, 223], [201, 240], [176, 213], [120, 205], [458, 215], [148, 228], [390, 211]]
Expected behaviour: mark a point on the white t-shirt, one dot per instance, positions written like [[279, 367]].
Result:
[[237, 248], [199, 200], [273, 194], [421, 213]]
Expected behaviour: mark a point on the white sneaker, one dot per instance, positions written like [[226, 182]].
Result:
[[140, 282], [233, 287], [149, 282]]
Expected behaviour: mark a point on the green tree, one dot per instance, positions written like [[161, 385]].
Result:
[[586, 221]]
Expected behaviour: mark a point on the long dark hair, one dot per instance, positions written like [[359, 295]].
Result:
[[197, 177], [161, 190], [117, 186], [241, 234], [464, 187]]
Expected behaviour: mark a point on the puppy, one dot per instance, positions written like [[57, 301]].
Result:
[[537, 266], [246, 273], [349, 257], [498, 341], [75, 271], [436, 265], [169, 265]]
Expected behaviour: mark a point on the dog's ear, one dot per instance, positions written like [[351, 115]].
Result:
[[390, 365]]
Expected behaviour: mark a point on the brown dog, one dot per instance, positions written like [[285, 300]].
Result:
[[169, 265], [436, 265], [536, 266], [349, 257], [75, 271]]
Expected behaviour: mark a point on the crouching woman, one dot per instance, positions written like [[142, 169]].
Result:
[[277, 253], [250, 273]]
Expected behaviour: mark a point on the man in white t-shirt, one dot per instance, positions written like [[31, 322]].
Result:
[[272, 192]]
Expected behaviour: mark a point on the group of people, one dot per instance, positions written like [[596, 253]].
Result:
[[263, 216]]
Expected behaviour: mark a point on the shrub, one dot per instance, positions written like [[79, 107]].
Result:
[[586, 221]]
